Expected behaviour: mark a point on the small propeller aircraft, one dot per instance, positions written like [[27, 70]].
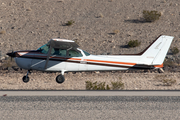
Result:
[[61, 55]]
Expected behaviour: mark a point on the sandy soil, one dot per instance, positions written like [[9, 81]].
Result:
[[46, 81], [28, 24]]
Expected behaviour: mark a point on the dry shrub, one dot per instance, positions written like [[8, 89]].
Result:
[[100, 15], [9, 62], [3, 32], [115, 31], [159, 77], [134, 43], [165, 81], [175, 50], [168, 82], [118, 85], [151, 16], [28, 9], [102, 86], [96, 86], [168, 63], [69, 23]]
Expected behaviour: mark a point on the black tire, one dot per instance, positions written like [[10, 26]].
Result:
[[25, 79], [60, 79]]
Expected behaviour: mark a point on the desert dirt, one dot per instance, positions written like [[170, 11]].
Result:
[[28, 24], [46, 81]]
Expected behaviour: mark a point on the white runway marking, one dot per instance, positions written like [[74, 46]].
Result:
[[89, 93]]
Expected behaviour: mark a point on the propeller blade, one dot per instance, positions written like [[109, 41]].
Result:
[[11, 54]]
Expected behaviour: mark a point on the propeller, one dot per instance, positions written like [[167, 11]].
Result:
[[11, 54]]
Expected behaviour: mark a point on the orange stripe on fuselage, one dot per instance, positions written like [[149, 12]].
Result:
[[99, 61], [74, 59], [112, 62], [159, 66]]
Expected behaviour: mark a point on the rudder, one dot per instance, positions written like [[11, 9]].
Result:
[[156, 53]]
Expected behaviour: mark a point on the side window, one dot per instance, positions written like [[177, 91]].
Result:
[[74, 53], [59, 52]]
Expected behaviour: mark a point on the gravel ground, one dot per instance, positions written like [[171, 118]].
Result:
[[90, 108], [28, 24], [132, 81]]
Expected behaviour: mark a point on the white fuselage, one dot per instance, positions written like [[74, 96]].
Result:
[[37, 61]]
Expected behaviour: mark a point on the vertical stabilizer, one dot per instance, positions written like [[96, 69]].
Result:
[[156, 53]]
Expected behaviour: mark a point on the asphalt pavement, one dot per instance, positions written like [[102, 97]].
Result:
[[89, 107]]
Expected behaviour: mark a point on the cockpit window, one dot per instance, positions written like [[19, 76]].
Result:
[[59, 52], [74, 53]]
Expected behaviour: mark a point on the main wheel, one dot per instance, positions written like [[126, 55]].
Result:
[[25, 79], [60, 79]]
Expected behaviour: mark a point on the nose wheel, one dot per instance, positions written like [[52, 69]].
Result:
[[26, 78]]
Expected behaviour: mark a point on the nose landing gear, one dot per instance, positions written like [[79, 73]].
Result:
[[26, 78]]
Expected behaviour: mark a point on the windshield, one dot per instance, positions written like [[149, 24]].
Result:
[[86, 53], [44, 49]]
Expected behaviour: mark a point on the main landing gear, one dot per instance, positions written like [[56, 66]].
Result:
[[59, 79]]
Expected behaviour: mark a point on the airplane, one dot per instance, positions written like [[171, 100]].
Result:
[[62, 55]]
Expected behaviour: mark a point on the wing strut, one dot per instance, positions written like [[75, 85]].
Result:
[[47, 59]]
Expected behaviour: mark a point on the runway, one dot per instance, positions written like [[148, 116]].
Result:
[[89, 93], [90, 107]]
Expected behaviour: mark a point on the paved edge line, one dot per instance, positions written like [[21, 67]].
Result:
[[89, 93]]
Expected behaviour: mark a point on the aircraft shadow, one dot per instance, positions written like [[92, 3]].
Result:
[[135, 21], [124, 46]]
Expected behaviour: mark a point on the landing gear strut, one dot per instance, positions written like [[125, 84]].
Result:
[[26, 78]]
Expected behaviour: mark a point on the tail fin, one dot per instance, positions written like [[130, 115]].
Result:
[[156, 52]]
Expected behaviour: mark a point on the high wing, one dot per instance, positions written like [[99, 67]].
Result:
[[60, 44], [63, 44]]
